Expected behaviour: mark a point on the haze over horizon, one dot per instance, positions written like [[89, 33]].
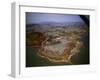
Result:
[[36, 18]]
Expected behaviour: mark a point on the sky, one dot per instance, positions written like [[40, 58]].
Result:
[[33, 18]]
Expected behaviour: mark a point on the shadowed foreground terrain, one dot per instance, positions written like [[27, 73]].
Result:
[[50, 44]]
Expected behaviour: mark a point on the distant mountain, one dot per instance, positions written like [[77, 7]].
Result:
[[61, 24], [46, 26]]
